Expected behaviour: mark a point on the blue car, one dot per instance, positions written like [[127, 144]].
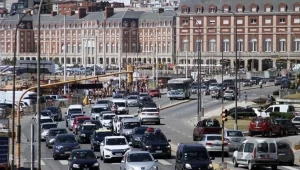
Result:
[[63, 145], [83, 159]]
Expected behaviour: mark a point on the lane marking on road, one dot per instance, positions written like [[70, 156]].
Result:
[[42, 163], [190, 136], [289, 168], [63, 162], [47, 158], [115, 163], [163, 162]]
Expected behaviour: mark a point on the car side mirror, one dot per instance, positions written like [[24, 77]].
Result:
[[130, 143], [169, 140], [212, 158], [101, 144], [98, 157]]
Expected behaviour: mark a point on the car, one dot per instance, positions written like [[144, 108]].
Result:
[[71, 120], [97, 137], [106, 120], [118, 96], [229, 95], [206, 126], [147, 115], [85, 158], [296, 122], [113, 147], [132, 101], [46, 120], [95, 122], [120, 106], [136, 135], [285, 84], [148, 102], [97, 109], [265, 126], [127, 125], [288, 126], [136, 93], [285, 153], [212, 86], [195, 157], [117, 122], [143, 95], [45, 127], [138, 160], [56, 113], [69, 115], [63, 145], [234, 138], [213, 143], [155, 93], [44, 113], [247, 83], [53, 132], [84, 132], [156, 143], [277, 81], [78, 121], [205, 90], [195, 89], [104, 102]]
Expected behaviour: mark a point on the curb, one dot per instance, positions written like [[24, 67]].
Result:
[[174, 104]]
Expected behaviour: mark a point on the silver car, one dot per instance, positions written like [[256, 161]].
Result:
[[143, 95], [234, 138], [71, 120], [213, 143], [52, 134], [45, 129], [132, 100], [138, 160], [213, 86]]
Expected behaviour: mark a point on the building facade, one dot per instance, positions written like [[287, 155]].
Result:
[[268, 32]]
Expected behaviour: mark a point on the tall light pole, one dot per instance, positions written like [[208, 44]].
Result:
[[186, 60], [156, 59], [65, 55]]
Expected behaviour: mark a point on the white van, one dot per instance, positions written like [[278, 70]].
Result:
[[75, 108], [120, 106], [282, 108], [255, 153]]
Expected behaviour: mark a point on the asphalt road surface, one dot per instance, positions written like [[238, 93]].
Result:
[[175, 125]]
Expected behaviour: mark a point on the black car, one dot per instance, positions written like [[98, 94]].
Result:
[[84, 132], [288, 126], [136, 135], [63, 145], [56, 113], [97, 137], [83, 159], [157, 144], [134, 93], [147, 104], [193, 156], [108, 102], [285, 84], [95, 122], [242, 112], [277, 81]]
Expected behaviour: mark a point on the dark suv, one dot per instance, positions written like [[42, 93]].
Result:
[[265, 126], [193, 156], [288, 126]]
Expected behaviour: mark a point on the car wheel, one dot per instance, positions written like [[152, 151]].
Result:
[[274, 167], [235, 164], [291, 163], [250, 166], [101, 156], [194, 137], [104, 160], [54, 157]]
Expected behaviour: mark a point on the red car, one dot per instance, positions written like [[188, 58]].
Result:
[[155, 93], [78, 121], [265, 127]]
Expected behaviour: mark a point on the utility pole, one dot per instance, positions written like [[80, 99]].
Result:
[[96, 49], [224, 119], [156, 59], [65, 55]]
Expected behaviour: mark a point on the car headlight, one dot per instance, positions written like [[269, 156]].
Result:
[[188, 166], [96, 164], [77, 146], [51, 140], [169, 146], [75, 166], [210, 166], [83, 135], [154, 167], [148, 146], [45, 133], [58, 147], [107, 149]]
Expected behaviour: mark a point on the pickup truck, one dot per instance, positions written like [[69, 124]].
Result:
[[206, 126]]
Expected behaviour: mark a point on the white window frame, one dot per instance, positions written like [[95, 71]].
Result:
[[297, 8], [198, 22], [212, 45], [282, 45], [185, 10], [282, 20], [268, 9], [198, 10], [296, 20], [212, 10], [268, 21], [185, 21], [225, 21], [239, 21], [240, 45], [240, 10], [212, 21], [282, 9], [254, 9], [296, 43], [185, 45], [253, 21], [253, 45], [226, 45], [225, 9], [268, 45]]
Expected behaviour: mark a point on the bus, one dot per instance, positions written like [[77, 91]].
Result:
[[179, 88]]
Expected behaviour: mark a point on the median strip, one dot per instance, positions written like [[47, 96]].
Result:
[[173, 104]]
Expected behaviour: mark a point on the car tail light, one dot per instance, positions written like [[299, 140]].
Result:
[[227, 140], [209, 144], [254, 153]]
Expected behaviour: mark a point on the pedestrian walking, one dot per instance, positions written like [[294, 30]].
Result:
[[246, 96]]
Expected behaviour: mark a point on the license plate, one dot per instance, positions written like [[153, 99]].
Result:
[[85, 168], [119, 154], [282, 154], [258, 127], [67, 152], [158, 151]]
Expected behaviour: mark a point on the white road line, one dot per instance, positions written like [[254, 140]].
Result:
[[115, 163], [63, 162], [47, 158], [164, 162], [289, 168], [43, 163], [190, 136]]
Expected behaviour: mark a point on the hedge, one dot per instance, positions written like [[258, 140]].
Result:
[[260, 100], [276, 93], [282, 115], [242, 115]]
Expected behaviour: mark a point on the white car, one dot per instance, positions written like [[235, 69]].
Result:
[[97, 109], [44, 113], [147, 115], [113, 147], [45, 129], [120, 106], [46, 120], [106, 119], [117, 122]]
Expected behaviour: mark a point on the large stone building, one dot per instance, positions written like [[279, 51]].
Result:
[[268, 34], [268, 31]]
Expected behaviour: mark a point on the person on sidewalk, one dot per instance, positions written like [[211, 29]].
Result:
[[246, 96]]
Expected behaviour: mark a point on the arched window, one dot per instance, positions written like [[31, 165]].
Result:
[[184, 45], [164, 48], [198, 45], [133, 47], [158, 48], [268, 45], [297, 45], [112, 48], [240, 45], [253, 45], [74, 48], [151, 48], [107, 50], [212, 45], [100, 48], [282, 45], [226, 45]]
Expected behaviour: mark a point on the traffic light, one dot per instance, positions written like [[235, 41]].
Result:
[[224, 115], [130, 68]]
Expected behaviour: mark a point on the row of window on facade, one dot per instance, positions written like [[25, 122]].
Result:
[[253, 45]]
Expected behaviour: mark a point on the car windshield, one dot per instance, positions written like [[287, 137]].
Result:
[[235, 134], [99, 109], [82, 120], [195, 155], [297, 119], [131, 125], [108, 117], [83, 155], [89, 128], [116, 141], [103, 134], [46, 121], [283, 146], [156, 138], [213, 84], [210, 123], [56, 132], [132, 97], [49, 126], [52, 109], [150, 110], [258, 120], [229, 92], [212, 138], [45, 113], [120, 104], [140, 157], [118, 97], [103, 102], [75, 110], [140, 131], [66, 139]]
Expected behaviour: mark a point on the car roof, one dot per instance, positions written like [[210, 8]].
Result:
[[124, 116], [49, 123], [88, 124], [75, 106], [257, 140], [57, 129], [118, 100], [102, 130], [130, 120], [115, 137], [76, 150], [212, 135], [137, 151], [99, 105], [66, 134], [192, 146], [149, 107], [108, 114], [46, 117], [76, 114]]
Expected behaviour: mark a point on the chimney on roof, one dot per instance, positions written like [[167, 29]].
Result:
[[53, 13], [161, 10], [109, 11], [81, 13]]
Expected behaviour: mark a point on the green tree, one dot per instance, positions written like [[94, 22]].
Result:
[[7, 61]]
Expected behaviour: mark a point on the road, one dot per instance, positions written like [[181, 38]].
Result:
[[175, 125]]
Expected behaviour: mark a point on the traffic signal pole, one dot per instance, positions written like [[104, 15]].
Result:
[[224, 119]]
